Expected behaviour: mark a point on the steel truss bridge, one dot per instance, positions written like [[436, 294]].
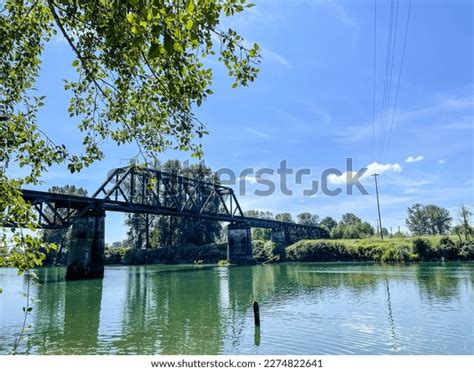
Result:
[[147, 191]]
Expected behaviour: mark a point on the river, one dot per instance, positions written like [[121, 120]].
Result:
[[305, 309]]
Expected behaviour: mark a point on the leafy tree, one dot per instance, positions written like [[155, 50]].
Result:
[[352, 227], [308, 219], [329, 223], [464, 227], [260, 233], [428, 219], [284, 217], [350, 219], [139, 74], [417, 221], [140, 228]]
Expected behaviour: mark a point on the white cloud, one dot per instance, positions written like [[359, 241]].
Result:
[[344, 178], [269, 55], [257, 133], [441, 162], [340, 11], [59, 39], [373, 168], [405, 182], [249, 178], [376, 168], [452, 107], [459, 123], [411, 159], [274, 57]]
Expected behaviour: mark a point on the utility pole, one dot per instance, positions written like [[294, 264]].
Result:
[[378, 204]]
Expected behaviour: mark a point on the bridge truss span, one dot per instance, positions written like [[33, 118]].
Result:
[[143, 190], [134, 189]]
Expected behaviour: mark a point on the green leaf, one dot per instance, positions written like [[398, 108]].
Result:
[[190, 6], [75, 63], [189, 25], [131, 18], [133, 2], [154, 51], [169, 43]]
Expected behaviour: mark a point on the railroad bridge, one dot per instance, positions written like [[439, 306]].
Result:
[[134, 189]]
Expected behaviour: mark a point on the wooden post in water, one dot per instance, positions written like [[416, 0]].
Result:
[[256, 317], [256, 313], [256, 337]]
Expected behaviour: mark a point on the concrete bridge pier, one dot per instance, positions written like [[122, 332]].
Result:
[[239, 240], [85, 258], [278, 236]]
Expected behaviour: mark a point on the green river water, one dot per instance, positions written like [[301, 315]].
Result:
[[305, 309]]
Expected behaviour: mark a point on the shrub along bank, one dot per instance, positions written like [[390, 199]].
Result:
[[369, 249], [388, 250], [210, 253]]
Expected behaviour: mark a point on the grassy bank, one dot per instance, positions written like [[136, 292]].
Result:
[[388, 250]]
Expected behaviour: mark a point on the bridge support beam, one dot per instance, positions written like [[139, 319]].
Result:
[[239, 240], [86, 250]]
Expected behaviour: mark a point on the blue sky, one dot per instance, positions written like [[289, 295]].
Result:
[[312, 106]]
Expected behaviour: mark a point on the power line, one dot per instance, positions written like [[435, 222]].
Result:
[[385, 116], [386, 73], [375, 79], [399, 76]]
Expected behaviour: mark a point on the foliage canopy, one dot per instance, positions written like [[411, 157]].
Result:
[[140, 68]]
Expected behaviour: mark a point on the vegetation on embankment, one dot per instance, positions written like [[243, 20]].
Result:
[[210, 253], [387, 250], [429, 248]]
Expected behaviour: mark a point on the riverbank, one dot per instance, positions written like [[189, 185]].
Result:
[[370, 249], [387, 250], [206, 254]]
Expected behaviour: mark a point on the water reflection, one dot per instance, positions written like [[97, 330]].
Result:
[[438, 283], [305, 308], [390, 315], [81, 316]]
